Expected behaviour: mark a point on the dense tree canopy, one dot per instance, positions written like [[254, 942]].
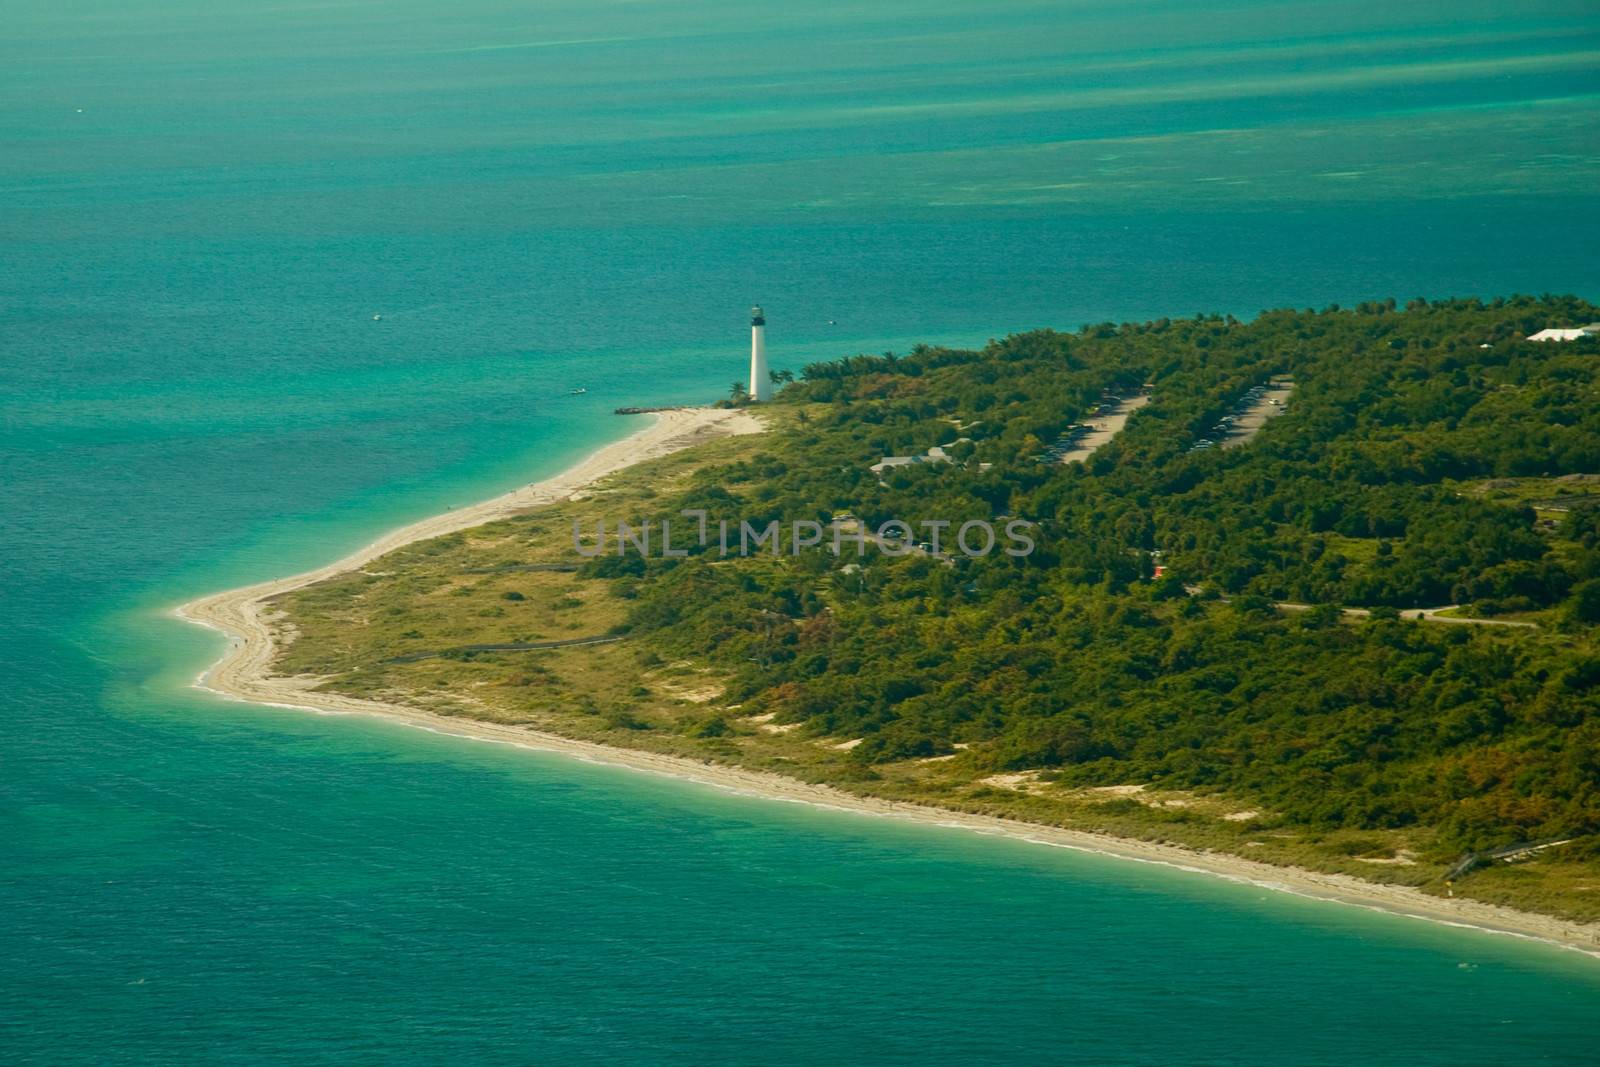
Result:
[[1408, 472]]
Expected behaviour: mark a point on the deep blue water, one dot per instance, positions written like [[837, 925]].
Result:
[[194, 393]]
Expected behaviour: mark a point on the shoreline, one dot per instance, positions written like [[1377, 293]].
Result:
[[242, 674]]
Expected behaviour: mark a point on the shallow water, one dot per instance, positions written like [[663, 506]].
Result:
[[196, 394]]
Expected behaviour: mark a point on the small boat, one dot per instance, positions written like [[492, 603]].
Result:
[[577, 392]]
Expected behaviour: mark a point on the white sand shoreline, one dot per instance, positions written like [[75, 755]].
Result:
[[243, 674]]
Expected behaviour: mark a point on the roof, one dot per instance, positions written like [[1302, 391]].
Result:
[[1565, 333], [936, 454]]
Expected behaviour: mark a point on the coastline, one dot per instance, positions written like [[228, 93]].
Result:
[[242, 673]]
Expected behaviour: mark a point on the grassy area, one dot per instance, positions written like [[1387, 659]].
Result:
[[1556, 495], [1362, 550], [497, 584]]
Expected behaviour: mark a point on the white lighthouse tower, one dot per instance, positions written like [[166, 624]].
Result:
[[760, 380]]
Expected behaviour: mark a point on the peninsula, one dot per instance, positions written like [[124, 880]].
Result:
[[1351, 653]]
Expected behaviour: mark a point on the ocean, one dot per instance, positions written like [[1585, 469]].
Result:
[[275, 278]]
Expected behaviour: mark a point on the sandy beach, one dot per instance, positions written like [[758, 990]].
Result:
[[243, 674]]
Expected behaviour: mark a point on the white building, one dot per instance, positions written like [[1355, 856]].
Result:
[[1566, 333], [936, 454], [894, 461]]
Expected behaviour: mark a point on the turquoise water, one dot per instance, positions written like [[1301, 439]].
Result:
[[536, 197]]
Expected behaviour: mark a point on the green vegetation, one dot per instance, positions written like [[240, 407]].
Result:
[[1428, 457]]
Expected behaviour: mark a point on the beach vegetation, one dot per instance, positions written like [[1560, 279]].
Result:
[[1272, 692]]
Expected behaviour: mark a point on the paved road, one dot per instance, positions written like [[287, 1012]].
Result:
[[1247, 425], [1103, 428]]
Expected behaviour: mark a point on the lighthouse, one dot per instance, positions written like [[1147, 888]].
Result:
[[760, 380]]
